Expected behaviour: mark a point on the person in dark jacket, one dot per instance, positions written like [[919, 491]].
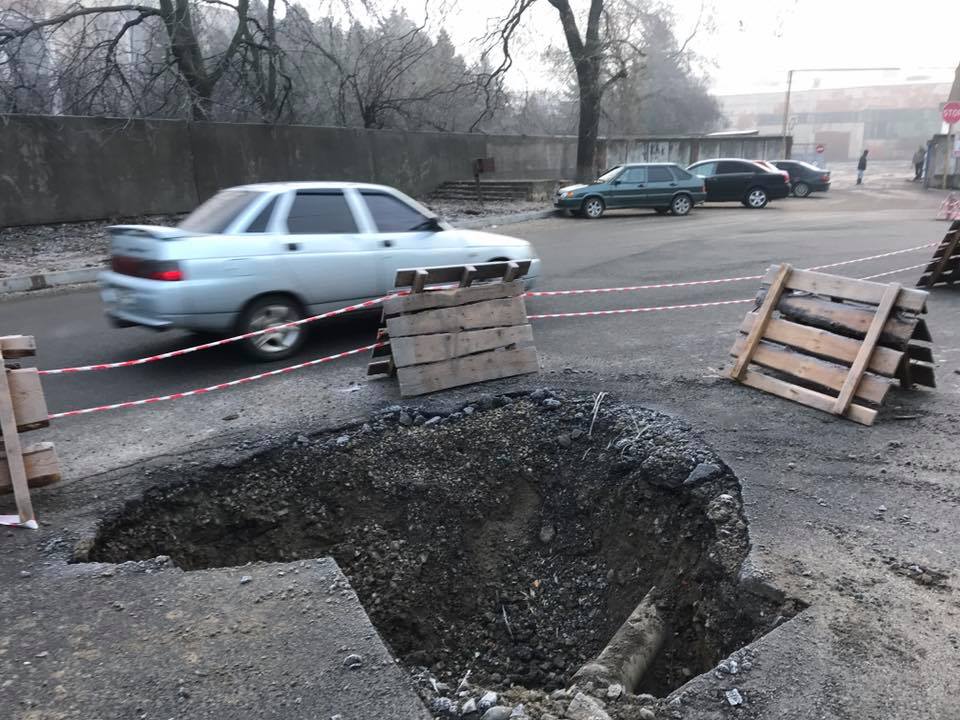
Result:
[[862, 167], [918, 158]]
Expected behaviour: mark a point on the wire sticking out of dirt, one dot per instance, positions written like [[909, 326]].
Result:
[[501, 540]]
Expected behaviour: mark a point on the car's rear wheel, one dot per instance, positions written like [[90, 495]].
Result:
[[801, 189], [593, 207], [756, 198], [269, 312], [681, 205]]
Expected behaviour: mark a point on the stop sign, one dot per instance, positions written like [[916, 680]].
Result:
[[820, 149], [951, 113]]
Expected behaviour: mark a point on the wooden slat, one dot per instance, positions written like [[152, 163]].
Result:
[[846, 319], [421, 379], [824, 343], [810, 369], [805, 396], [29, 405], [921, 332], [946, 256], [419, 280], [12, 449], [491, 313], [453, 273], [512, 273], [417, 349], [777, 284], [863, 291], [381, 367], [18, 346], [40, 465], [469, 271], [855, 376], [918, 352], [450, 298], [922, 374]]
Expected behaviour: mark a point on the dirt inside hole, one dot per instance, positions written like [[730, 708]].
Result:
[[503, 539]]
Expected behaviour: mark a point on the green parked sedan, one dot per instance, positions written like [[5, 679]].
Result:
[[665, 187]]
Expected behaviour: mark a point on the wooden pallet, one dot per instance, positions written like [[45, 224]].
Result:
[[444, 338], [835, 343], [944, 267], [23, 408]]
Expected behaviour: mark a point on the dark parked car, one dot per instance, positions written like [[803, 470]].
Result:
[[744, 181], [662, 186], [804, 177]]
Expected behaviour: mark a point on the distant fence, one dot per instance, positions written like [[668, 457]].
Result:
[[61, 169]]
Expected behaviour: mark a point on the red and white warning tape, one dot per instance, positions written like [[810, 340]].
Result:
[[894, 272], [216, 343], [220, 386], [628, 288], [624, 311], [874, 257]]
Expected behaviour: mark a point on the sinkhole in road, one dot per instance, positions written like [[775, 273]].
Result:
[[505, 538]]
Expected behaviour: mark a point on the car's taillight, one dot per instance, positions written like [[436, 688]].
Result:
[[825, 177], [167, 271]]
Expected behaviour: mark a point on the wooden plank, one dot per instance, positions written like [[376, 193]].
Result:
[[777, 284], [922, 374], [512, 273], [419, 280], [819, 372], [846, 319], [825, 344], [863, 291], [18, 346], [469, 271], [921, 332], [29, 404], [421, 379], [450, 298], [804, 396], [919, 352], [491, 313], [855, 376], [453, 273], [945, 258], [417, 349], [12, 449], [40, 463], [381, 367]]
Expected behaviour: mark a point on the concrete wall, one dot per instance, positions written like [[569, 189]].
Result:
[[61, 169]]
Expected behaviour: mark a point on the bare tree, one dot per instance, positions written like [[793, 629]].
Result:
[[602, 54]]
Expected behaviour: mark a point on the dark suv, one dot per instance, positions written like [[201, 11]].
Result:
[[745, 181]]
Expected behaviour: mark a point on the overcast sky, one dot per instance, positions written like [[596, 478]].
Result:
[[753, 44]]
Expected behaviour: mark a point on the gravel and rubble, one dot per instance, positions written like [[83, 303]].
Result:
[[487, 551]]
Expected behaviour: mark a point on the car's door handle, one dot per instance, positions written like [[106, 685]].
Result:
[[293, 246], [639, 184], [673, 184], [388, 243]]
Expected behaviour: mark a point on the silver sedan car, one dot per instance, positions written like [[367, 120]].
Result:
[[258, 256]]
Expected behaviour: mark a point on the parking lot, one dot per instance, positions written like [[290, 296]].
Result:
[[874, 644]]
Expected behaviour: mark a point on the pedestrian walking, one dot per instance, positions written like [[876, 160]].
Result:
[[918, 158], [862, 167]]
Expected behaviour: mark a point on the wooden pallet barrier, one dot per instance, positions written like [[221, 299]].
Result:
[[944, 267], [444, 338], [23, 408], [833, 343]]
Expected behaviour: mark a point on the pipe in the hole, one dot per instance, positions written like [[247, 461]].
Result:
[[630, 651]]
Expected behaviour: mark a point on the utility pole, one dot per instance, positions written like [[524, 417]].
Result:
[[948, 144]]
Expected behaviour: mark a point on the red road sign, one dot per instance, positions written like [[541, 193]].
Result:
[[951, 113], [820, 149]]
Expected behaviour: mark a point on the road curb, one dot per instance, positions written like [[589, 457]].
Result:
[[41, 281]]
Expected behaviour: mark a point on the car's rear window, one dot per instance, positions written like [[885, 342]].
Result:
[[392, 214], [216, 214], [680, 174], [320, 213]]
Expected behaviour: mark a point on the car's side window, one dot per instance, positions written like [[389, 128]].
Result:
[[320, 212], [706, 170], [680, 174], [391, 214], [262, 220], [634, 175], [658, 173], [727, 168]]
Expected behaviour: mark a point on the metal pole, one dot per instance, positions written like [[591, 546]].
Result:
[[786, 112], [947, 146]]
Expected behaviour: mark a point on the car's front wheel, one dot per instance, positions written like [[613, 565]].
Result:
[[801, 190], [272, 311], [681, 205], [593, 207], [756, 198]]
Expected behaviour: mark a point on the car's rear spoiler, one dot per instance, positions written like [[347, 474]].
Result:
[[157, 232]]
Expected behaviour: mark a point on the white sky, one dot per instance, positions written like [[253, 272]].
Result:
[[754, 42]]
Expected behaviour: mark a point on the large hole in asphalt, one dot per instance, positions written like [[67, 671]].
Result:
[[504, 539]]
